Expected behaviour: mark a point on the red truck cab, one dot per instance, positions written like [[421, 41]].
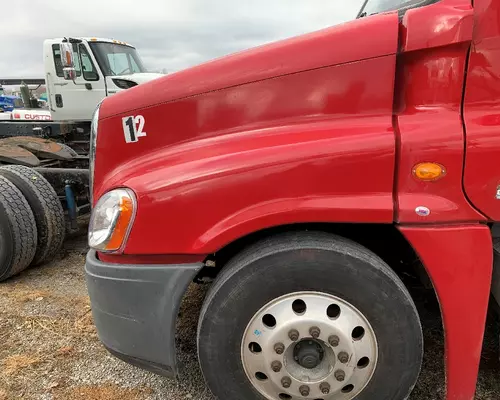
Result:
[[294, 174]]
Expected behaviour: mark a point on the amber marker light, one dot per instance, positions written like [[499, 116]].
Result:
[[429, 171]]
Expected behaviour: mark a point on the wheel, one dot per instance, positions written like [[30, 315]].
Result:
[[46, 207], [309, 315], [18, 234]]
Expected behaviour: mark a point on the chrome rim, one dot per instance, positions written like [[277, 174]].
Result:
[[309, 345]]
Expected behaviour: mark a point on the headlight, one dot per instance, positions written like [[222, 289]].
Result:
[[93, 143], [111, 220]]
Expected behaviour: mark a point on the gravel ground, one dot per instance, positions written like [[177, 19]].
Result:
[[49, 348]]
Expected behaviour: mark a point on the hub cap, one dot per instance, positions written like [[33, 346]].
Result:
[[309, 345], [308, 353]]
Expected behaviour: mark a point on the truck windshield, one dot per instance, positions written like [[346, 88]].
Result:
[[378, 6], [116, 59]]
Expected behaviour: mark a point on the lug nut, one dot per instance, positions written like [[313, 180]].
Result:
[[339, 375], [343, 357], [314, 332], [325, 388], [286, 382], [279, 348], [334, 340], [293, 335], [304, 390], [276, 366]]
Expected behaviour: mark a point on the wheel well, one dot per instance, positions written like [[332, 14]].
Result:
[[385, 240]]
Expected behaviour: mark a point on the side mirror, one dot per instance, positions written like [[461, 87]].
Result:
[[67, 61], [69, 74]]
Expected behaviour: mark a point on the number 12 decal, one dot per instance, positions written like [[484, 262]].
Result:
[[133, 128]]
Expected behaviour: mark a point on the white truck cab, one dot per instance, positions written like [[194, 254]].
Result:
[[80, 72]]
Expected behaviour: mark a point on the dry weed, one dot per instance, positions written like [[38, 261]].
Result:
[[101, 392], [20, 295], [64, 327], [65, 351], [13, 364]]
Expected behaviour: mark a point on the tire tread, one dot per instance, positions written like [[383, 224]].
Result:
[[51, 224], [297, 240], [23, 227]]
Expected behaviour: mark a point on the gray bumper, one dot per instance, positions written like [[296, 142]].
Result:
[[135, 310]]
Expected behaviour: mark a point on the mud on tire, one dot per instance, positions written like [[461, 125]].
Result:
[[46, 207], [18, 234]]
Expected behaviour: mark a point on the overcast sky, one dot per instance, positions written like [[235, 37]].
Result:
[[169, 34]]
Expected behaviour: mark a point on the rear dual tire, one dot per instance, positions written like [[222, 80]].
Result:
[[34, 196], [18, 234], [314, 266]]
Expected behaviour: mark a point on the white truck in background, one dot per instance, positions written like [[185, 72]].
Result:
[[101, 67], [26, 114], [79, 73]]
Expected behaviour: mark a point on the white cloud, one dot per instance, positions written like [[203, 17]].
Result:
[[169, 34]]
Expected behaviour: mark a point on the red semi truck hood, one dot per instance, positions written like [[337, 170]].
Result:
[[356, 40], [181, 107]]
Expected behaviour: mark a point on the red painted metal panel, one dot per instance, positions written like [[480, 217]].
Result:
[[441, 24], [348, 42], [315, 146], [482, 111], [459, 262], [429, 89]]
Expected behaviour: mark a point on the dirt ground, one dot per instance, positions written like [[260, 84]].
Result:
[[49, 348]]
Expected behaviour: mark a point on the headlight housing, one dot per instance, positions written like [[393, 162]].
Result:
[[92, 150], [111, 220]]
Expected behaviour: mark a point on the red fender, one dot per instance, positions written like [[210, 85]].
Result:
[[258, 139], [459, 261]]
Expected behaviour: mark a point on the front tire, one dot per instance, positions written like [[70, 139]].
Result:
[[371, 334]]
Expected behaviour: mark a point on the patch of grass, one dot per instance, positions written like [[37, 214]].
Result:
[[66, 327], [101, 392], [3, 394], [79, 303], [65, 351], [20, 295], [78, 323], [85, 325], [17, 362]]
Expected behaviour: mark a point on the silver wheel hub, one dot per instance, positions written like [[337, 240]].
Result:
[[309, 345]]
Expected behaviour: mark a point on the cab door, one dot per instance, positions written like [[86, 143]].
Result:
[[482, 111], [75, 100]]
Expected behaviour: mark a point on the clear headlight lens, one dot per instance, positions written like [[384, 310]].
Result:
[[111, 220]]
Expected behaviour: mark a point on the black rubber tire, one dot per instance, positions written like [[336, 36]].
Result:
[[18, 234], [304, 261], [46, 207]]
